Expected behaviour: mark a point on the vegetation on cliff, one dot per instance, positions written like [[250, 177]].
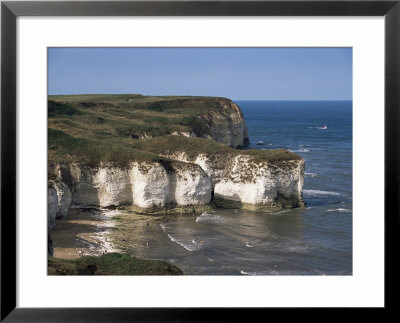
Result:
[[124, 116], [194, 146], [110, 264], [111, 128]]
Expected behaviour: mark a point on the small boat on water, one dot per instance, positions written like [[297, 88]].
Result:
[[261, 143], [324, 127]]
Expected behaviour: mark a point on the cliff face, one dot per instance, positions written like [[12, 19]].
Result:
[[225, 125], [226, 180], [63, 198], [58, 200], [145, 186], [240, 182], [219, 119], [51, 206]]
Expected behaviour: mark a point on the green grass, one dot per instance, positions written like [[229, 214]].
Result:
[[110, 264], [116, 98], [58, 108], [195, 146], [102, 128]]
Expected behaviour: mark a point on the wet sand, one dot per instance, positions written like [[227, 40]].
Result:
[[83, 233], [93, 232], [134, 233]]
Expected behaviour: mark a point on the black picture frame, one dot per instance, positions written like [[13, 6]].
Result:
[[10, 10]]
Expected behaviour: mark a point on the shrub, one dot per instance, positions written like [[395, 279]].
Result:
[[58, 108]]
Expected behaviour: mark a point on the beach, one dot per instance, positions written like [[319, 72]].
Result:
[[83, 233]]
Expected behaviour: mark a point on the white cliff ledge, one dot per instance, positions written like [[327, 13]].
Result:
[[239, 181], [227, 181]]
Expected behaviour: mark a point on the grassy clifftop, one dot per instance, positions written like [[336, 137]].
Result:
[[108, 128], [195, 146], [121, 119], [130, 115]]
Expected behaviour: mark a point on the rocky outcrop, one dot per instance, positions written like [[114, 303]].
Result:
[[148, 186], [63, 197], [58, 200], [239, 181], [227, 180], [225, 125], [218, 119], [52, 205], [50, 246]]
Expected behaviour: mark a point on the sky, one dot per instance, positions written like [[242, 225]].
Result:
[[235, 73]]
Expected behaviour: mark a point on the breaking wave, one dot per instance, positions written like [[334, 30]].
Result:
[[319, 193], [339, 210], [301, 150], [310, 174], [208, 217], [188, 245]]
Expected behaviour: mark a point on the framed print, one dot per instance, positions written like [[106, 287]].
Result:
[[197, 158]]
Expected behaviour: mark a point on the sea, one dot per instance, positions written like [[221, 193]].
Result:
[[313, 240]]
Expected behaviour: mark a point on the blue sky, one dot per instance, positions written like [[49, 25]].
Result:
[[236, 73]]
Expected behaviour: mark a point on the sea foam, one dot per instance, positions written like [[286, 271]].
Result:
[[208, 217], [338, 210], [188, 245], [310, 174], [318, 192]]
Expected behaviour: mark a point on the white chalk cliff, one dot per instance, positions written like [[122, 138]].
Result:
[[238, 181], [146, 185], [227, 180]]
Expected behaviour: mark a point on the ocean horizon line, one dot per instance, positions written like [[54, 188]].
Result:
[[294, 100], [217, 96]]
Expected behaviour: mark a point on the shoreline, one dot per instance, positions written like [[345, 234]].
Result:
[[95, 232], [84, 232], [83, 244]]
